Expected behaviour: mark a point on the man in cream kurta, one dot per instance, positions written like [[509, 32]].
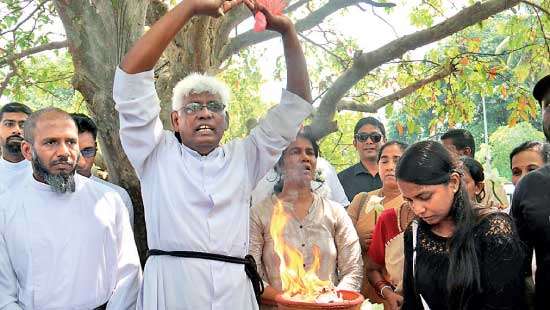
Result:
[[195, 197], [65, 240]]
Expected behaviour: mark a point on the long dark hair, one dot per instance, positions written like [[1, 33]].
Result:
[[429, 163], [278, 187], [475, 169]]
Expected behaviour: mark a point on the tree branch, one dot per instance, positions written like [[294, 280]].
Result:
[[338, 58], [8, 77], [366, 62], [38, 7], [536, 6], [542, 31], [402, 93], [34, 50], [250, 37], [155, 10], [296, 5]]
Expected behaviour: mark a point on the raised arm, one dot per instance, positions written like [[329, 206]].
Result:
[[297, 76], [147, 50]]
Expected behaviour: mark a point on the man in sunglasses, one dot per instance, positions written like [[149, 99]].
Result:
[[13, 166], [196, 191], [369, 136], [87, 142], [531, 210]]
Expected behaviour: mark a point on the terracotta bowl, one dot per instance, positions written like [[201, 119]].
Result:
[[353, 301]]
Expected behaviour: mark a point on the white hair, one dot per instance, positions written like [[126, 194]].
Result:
[[196, 83]]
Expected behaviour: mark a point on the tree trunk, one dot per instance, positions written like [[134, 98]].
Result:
[[99, 33]]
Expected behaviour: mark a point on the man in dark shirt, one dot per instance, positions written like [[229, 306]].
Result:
[[531, 209], [369, 136]]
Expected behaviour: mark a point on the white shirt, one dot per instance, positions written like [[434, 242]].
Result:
[[13, 173], [330, 188], [123, 194], [194, 202], [66, 251]]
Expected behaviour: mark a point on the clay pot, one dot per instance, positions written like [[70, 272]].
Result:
[[353, 301]]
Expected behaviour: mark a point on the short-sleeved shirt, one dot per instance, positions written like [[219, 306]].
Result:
[[357, 179], [531, 212]]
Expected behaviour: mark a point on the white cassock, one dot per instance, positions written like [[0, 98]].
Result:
[[66, 251], [123, 194], [194, 202], [13, 173], [330, 188]]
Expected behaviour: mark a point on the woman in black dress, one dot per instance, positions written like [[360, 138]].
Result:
[[466, 257]]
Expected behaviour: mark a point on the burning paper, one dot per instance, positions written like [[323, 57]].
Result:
[[298, 283]]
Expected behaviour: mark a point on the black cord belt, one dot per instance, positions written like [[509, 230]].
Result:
[[248, 261]]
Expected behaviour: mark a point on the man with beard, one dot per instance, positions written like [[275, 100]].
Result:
[[369, 135], [65, 240], [531, 209], [196, 192], [87, 142], [13, 165]]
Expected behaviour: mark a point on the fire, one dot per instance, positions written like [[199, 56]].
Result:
[[296, 281]]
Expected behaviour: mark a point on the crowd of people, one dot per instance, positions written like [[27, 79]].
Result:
[[410, 227]]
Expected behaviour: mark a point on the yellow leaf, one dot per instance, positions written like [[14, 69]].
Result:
[[522, 103], [512, 121], [400, 128], [503, 91]]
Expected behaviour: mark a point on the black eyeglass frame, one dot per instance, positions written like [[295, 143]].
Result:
[[364, 136], [212, 106]]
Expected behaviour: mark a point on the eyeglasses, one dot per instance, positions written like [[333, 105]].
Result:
[[212, 106], [364, 136], [88, 152]]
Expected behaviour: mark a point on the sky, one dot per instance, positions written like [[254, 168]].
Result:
[[378, 33]]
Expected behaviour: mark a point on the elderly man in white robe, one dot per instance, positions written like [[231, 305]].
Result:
[[196, 191], [65, 240]]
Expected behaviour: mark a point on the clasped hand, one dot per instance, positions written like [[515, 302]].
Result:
[[216, 8]]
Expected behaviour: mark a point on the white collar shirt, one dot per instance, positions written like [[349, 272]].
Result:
[[12, 173], [66, 251]]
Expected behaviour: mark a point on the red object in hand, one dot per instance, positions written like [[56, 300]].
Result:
[[260, 23], [274, 7]]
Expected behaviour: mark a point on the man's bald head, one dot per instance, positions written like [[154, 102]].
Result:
[[46, 114], [51, 144]]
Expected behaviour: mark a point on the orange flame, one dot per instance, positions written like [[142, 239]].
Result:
[[296, 281]]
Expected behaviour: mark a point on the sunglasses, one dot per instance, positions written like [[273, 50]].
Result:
[[364, 136], [212, 106], [88, 152]]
